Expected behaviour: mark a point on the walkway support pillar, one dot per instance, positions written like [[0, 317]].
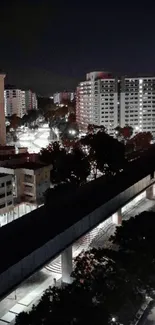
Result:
[[150, 193], [67, 265], [117, 217]]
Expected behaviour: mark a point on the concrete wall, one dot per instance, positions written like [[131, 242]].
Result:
[[23, 269]]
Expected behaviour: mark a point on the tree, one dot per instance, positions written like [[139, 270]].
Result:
[[15, 121], [30, 118], [72, 118], [56, 156], [92, 128], [107, 281], [102, 149], [80, 166], [124, 134], [77, 167], [141, 140], [100, 290], [136, 241]]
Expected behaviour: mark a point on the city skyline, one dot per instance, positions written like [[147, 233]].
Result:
[[49, 48]]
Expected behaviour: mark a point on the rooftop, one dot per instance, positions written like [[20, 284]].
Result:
[[3, 175], [26, 165], [7, 147], [13, 156]]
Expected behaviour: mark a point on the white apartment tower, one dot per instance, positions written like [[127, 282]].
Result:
[[97, 101], [137, 103], [14, 102]]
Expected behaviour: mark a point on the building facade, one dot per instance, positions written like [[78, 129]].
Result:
[[6, 194], [103, 100], [97, 101], [2, 112], [31, 102], [14, 102], [62, 97], [137, 104], [19, 102], [30, 181]]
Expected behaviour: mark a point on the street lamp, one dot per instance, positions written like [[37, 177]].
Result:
[[113, 319], [72, 132]]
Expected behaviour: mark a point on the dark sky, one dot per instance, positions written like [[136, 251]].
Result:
[[50, 45]]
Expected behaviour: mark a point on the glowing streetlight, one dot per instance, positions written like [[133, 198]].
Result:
[[72, 132], [113, 319]]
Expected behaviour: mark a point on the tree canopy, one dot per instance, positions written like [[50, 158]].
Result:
[[100, 289], [136, 242]]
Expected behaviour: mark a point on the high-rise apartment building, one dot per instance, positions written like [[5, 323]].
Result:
[[19, 101], [2, 112], [14, 102], [60, 98], [97, 101], [137, 103], [31, 102], [30, 180], [103, 100]]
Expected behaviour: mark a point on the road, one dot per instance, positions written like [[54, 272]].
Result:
[[30, 291]]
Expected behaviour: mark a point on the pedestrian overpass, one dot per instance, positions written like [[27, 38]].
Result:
[[30, 242]]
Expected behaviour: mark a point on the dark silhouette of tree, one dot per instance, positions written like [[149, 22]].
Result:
[[15, 121], [71, 167], [141, 140], [30, 119], [80, 166], [56, 156], [92, 128], [124, 134], [72, 118], [100, 290], [105, 153], [136, 241]]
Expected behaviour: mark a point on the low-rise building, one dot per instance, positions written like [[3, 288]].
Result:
[[6, 194], [31, 180]]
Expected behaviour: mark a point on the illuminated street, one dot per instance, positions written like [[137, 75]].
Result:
[[31, 290], [34, 140]]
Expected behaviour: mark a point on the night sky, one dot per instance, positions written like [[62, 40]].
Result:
[[50, 45]]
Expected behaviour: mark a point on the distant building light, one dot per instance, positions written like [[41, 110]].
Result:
[[137, 128]]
